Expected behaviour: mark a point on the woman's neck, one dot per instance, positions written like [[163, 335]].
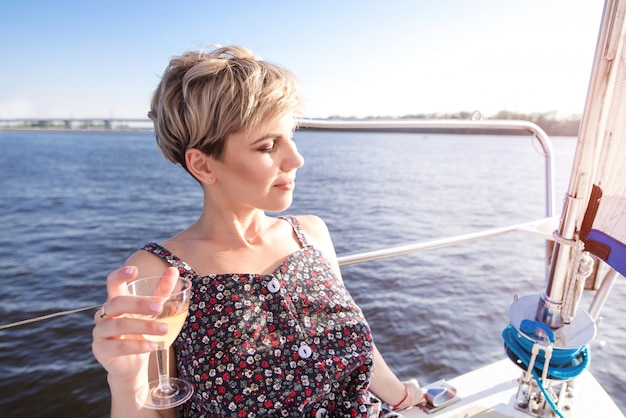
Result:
[[247, 229]]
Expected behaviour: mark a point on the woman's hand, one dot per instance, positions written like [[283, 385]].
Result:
[[119, 344], [415, 395]]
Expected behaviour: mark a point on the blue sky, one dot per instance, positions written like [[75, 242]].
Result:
[[353, 58]]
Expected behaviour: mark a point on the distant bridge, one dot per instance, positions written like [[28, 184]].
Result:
[[77, 123]]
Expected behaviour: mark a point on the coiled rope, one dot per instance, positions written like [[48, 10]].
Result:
[[563, 364]]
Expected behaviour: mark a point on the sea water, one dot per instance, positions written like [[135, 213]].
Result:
[[74, 205]]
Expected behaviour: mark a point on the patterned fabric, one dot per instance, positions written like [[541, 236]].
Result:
[[292, 343]]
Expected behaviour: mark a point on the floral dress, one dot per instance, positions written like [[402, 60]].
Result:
[[292, 343]]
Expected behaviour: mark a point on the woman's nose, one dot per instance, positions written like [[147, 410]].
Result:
[[293, 159]]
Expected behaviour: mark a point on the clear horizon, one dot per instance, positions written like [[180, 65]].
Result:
[[352, 58]]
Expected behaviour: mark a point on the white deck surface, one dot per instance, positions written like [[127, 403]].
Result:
[[489, 392]]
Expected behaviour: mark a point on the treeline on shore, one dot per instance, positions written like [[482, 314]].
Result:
[[549, 122]]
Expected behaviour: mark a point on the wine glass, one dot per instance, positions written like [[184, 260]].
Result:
[[166, 392]]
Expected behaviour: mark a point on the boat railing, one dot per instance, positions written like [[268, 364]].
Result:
[[448, 126], [534, 227], [602, 278], [537, 227]]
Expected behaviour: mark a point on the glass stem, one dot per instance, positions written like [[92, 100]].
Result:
[[164, 379]]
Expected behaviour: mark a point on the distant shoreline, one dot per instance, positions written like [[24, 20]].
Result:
[[459, 131], [56, 129], [546, 121]]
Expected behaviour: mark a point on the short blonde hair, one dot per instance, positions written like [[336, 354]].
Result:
[[204, 97]]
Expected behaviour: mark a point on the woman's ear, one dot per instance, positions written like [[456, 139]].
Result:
[[199, 165]]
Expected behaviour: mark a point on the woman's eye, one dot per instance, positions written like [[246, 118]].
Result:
[[270, 148]]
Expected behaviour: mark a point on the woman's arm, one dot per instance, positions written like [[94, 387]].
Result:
[[119, 345], [385, 385]]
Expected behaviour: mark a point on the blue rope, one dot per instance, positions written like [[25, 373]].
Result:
[[564, 364]]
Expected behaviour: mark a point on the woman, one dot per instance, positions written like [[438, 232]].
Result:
[[271, 331]]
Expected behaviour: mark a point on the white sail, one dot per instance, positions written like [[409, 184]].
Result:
[[603, 227]]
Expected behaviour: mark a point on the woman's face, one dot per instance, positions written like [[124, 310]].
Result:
[[258, 168]]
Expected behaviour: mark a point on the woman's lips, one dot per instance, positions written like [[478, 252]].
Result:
[[286, 185]]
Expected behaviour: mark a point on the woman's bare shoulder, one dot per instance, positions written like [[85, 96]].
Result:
[[318, 235], [313, 227]]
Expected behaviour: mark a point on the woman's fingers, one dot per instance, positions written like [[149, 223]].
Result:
[[168, 282], [117, 280], [125, 325], [122, 348], [120, 343], [120, 302], [127, 306], [124, 328]]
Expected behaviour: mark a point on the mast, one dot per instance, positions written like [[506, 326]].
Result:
[[569, 263]]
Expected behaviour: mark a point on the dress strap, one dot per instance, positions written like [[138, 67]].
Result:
[[184, 269], [297, 228]]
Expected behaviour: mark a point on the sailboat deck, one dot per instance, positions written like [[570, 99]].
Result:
[[489, 392]]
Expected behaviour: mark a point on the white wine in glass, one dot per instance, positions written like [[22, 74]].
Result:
[[167, 392]]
